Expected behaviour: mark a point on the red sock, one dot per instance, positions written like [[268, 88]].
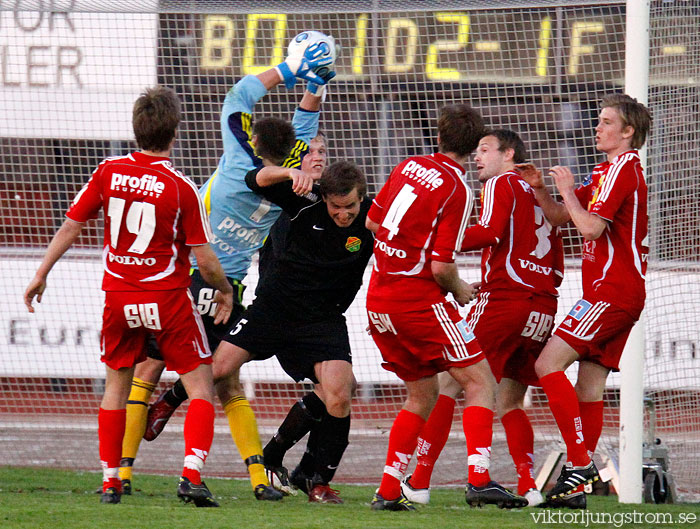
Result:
[[477, 422], [592, 423], [199, 432], [564, 405], [521, 443], [110, 431], [432, 440], [403, 439]]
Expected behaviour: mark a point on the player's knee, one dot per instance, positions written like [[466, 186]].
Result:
[[233, 386], [481, 377], [590, 392], [338, 400], [353, 389], [505, 405], [543, 367], [149, 370], [422, 402]]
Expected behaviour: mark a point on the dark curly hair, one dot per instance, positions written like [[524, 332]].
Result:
[[341, 177], [275, 138], [507, 139], [460, 128]]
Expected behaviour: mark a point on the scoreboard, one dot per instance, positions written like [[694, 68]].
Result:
[[531, 46]]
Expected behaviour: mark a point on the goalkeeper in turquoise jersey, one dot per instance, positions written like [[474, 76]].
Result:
[[240, 221]]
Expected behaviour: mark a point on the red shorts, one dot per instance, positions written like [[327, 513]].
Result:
[[169, 315], [597, 331], [512, 333], [423, 343]]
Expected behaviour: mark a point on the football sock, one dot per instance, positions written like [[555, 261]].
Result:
[[297, 424], [521, 443], [403, 439], [244, 430], [564, 406], [110, 431], [199, 433], [591, 422], [176, 395], [308, 460], [136, 413], [334, 431], [432, 440], [477, 423]]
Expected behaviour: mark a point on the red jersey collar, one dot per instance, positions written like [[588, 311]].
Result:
[[633, 151], [446, 160], [147, 158]]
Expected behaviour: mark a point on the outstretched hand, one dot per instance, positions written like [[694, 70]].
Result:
[[531, 175], [563, 178], [301, 182], [312, 65], [466, 293], [35, 289], [224, 307]]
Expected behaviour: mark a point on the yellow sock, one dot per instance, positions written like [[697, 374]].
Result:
[[244, 430], [136, 413]]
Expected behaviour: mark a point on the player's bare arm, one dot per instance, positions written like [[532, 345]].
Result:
[[64, 239], [371, 225], [311, 101], [272, 174], [447, 276], [211, 271], [590, 225], [556, 212], [270, 78]]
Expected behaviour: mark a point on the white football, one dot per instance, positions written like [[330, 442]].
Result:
[[305, 39]]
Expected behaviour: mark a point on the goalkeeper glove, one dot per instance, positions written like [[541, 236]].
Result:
[[320, 89], [315, 56]]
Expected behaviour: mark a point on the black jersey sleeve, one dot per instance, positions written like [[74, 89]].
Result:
[[281, 194]]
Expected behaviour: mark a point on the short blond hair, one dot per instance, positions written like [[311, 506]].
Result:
[[633, 113]]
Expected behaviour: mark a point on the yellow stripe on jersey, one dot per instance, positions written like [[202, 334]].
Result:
[[294, 159], [207, 193], [247, 127]]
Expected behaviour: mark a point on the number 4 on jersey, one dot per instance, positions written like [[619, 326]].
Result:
[[398, 209]]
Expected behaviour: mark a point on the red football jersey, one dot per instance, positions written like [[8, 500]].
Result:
[[528, 255], [152, 215], [614, 265], [422, 212]]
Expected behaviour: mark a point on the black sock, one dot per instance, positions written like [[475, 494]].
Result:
[[176, 395], [333, 434], [300, 419], [307, 465]]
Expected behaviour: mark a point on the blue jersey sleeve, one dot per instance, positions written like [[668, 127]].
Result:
[[305, 123], [237, 124]]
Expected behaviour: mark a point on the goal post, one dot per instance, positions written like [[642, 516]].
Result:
[[632, 361]]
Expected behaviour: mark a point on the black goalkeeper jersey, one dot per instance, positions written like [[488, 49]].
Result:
[[310, 268]]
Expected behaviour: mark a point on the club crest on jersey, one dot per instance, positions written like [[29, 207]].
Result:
[[579, 310], [353, 244]]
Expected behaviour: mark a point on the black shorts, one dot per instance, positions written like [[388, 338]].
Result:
[[297, 345], [203, 294]]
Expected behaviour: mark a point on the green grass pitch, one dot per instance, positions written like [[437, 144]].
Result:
[[34, 498]]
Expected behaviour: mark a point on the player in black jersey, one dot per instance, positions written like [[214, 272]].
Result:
[[311, 279]]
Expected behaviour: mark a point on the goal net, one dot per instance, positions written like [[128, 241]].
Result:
[[70, 71]]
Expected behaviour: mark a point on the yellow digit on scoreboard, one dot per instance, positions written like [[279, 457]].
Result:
[[432, 71], [250, 48], [216, 42]]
